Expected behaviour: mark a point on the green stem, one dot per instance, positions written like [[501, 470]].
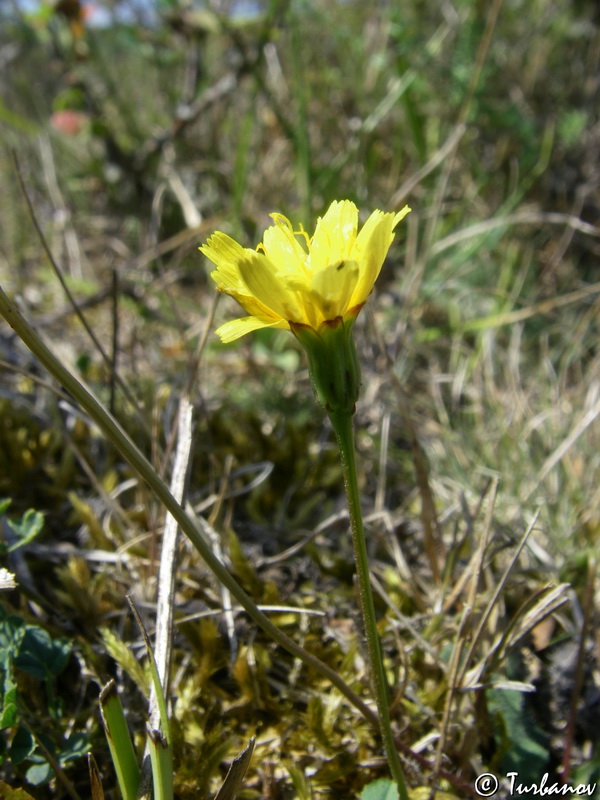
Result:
[[342, 425]]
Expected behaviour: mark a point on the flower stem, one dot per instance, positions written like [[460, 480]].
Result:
[[343, 427]]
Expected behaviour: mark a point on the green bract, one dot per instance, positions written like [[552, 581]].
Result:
[[332, 362]]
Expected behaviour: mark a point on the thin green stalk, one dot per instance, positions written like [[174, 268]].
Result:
[[119, 742], [161, 757], [343, 427]]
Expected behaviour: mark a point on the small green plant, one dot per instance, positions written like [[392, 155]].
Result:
[[28, 652], [159, 744], [23, 531], [38, 750]]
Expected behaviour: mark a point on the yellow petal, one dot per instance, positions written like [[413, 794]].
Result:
[[231, 331], [371, 247], [282, 247], [332, 289], [401, 214], [334, 235], [226, 253], [247, 301], [270, 288]]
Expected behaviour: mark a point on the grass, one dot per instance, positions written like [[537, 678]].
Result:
[[481, 337]]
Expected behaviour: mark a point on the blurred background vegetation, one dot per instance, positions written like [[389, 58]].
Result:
[[134, 129]]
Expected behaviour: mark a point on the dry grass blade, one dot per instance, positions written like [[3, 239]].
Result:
[[578, 429], [168, 559], [463, 683], [539, 218], [474, 567], [458, 661], [449, 163], [434, 546], [62, 212], [522, 314], [534, 611], [398, 199], [88, 329], [236, 773], [95, 781]]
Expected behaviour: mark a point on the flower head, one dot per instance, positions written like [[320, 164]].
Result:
[[292, 281]]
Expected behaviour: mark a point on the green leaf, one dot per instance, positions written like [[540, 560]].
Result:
[[521, 743], [22, 746], [76, 746], [39, 774], [119, 742], [12, 631], [27, 529], [42, 656], [382, 789], [9, 710]]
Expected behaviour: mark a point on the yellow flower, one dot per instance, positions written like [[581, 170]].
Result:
[[292, 281]]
